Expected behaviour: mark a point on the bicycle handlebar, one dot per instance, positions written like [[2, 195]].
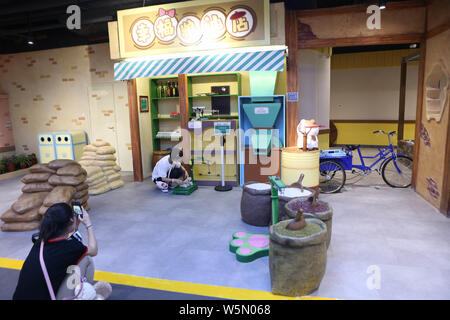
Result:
[[381, 131]]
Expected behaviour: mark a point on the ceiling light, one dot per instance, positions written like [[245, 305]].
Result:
[[30, 40], [382, 4]]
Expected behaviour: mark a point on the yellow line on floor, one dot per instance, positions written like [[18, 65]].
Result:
[[175, 286]]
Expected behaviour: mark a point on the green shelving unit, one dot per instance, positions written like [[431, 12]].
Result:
[[158, 115], [155, 109], [234, 77]]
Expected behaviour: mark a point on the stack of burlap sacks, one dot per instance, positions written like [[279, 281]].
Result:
[[45, 185], [103, 173]]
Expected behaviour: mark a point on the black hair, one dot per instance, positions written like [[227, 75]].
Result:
[[176, 173], [56, 221], [176, 154]]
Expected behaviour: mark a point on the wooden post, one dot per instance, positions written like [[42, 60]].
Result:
[[292, 76], [134, 130], [401, 107], [419, 112], [184, 116]]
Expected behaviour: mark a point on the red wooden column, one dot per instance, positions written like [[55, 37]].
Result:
[[134, 130], [184, 116], [291, 31]]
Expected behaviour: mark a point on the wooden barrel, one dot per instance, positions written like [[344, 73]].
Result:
[[294, 162], [158, 155]]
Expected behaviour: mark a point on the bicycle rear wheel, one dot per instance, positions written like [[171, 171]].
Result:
[[332, 176], [398, 172]]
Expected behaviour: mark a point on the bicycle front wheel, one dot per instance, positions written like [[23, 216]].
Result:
[[397, 172], [332, 176]]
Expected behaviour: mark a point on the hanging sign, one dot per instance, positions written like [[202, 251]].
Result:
[[193, 25], [222, 128]]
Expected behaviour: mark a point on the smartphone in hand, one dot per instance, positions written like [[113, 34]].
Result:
[[76, 206]]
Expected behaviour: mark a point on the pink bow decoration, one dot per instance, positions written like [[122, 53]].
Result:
[[170, 13]]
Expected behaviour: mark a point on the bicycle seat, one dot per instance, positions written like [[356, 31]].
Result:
[[352, 146]]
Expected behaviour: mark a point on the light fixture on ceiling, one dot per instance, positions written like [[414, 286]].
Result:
[[30, 40], [382, 4], [413, 46]]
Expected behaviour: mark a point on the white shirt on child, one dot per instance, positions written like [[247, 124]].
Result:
[[161, 169]]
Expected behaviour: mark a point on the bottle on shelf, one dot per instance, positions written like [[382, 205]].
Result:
[[175, 89], [168, 89], [164, 91], [158, 90]]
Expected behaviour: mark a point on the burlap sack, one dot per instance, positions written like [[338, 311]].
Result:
[[80, 194], [83, 199], [91, 179], [83, 171], [102, 188], [66, 180], [21, 226], [28, 201], [117, 168], [90, 153], [100, 143], [92, 170], [58, 195], [104, 163], [113, 177], [37, 187], [109, 172], [41, 168], [42, 210], [106, 157], [90, 148], [106, 150], [59, 163], [35, 177], [83, 158], [87, 163], [70, 170], [108, 168], [96, 182], [116, 184], [83, 186], [11, 216]]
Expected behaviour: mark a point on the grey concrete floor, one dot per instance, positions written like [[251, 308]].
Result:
[[143, 232]]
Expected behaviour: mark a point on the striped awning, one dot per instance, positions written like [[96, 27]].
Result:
[[258, 60]]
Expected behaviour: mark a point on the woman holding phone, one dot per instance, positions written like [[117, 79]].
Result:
[[61, 249]]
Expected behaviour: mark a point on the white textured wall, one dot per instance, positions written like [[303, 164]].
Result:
[[314, 86], [372, 93], [49, 91]]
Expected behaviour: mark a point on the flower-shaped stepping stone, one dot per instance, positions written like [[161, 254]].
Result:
[[249, 246]]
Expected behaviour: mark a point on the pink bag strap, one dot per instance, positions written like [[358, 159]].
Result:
[[44, 270]]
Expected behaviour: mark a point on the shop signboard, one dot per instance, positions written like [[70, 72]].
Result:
[[193, 26]]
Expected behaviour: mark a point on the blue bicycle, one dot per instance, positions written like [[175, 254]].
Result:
[[396, 169]]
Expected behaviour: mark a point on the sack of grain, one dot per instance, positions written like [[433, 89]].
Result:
[[109, 172], [100, 143], [21, 226], [92, 170], [102, 157], [42, 210], [83, 199], [41, 168], [35, 177], [96, 182], [113, 177], [94, 177], [59, 163], [60, 194], [90, 148], [105, 163], [70, 170], [90, 153], [80, 194], [30, 215], [37, 187], [116, 184], [83, 186], [66, 180], [101, 188], [28, 201], [117, 168], [106, 150]]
